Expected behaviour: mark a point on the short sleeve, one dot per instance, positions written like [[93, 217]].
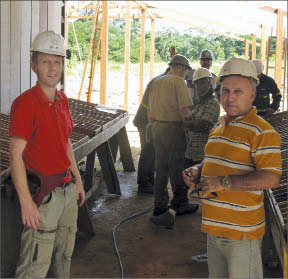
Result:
[[266, 151], [22, 117]]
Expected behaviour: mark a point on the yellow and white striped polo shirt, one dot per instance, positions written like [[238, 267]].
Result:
[[246, 144]]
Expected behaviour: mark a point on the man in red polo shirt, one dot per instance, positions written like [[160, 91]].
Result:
[[42, 165]]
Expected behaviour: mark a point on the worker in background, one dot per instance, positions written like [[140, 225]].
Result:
[[206, 59], [42, 165], [267, 86], [236, 170], [204, 116], [169, 105], [146, 163]]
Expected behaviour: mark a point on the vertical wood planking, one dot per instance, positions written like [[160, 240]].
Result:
[[43, 15], [15, 73], [142, 54], [25, 45], [54, 16], [5, 56], [104, 52], [54, 19], [127, 55], [34, 31]]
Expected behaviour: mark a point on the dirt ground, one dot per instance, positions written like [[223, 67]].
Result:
[[146, 251]]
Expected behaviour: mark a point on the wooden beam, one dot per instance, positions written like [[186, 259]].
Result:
[[104, 52], [88, 54], [76, 39], [152, 48], [95, 50], [204, 29], [279, 48], [253, 46], [127, 55], [263, 44], [125, 150], [190, 16], [247, 55], [271, 10], [142, 54]]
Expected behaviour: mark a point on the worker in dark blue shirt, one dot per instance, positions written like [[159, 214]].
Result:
[[266, 87]]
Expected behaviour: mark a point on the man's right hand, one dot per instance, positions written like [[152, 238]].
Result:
[[30, 214], [190, 176]]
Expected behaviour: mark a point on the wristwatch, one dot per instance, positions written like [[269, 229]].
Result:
[[226, 182]]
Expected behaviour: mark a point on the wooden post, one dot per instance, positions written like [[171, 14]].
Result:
[[104, 52], [263, 45], [125, 150], [108, 168], [95, 49], [152, 48], [77, 45], [142, 54], [88, 52], [247, 45], [127, 54], [253, 46], [279, 48]]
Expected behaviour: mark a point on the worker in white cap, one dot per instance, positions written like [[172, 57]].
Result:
[[43, 164], [203, 117], [242, 158], [267, 87]]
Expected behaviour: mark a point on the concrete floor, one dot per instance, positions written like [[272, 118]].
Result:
[[146, 251]]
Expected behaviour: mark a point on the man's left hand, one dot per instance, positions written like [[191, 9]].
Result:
[[80, 193], [210, 184]]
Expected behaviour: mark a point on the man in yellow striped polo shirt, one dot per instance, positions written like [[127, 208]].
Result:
[[242, 158]]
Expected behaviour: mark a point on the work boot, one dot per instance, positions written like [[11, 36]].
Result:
[[158, 211], [164, 220], [146, 188], [186, 208]]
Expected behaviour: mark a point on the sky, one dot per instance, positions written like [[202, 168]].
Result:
[[234, 17]]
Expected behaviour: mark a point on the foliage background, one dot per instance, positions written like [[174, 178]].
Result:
[[190, 43]]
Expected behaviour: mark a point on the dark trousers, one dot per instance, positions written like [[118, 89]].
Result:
[[146, 163], [170, 144]]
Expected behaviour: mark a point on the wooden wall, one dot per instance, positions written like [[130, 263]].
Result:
[[20, 23]]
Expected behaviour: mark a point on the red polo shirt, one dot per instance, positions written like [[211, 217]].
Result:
[[46, 126]]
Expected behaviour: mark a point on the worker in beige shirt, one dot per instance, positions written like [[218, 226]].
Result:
[[169, 105]]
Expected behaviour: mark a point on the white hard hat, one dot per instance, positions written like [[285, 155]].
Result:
[[240, 67], [180, 59], [49, 42], [206, 54], [259, 66], [201, 73]]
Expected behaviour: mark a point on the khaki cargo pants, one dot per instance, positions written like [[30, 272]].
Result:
[[52, 245]]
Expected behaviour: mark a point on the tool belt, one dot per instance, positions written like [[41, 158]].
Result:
[[41, 185]]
